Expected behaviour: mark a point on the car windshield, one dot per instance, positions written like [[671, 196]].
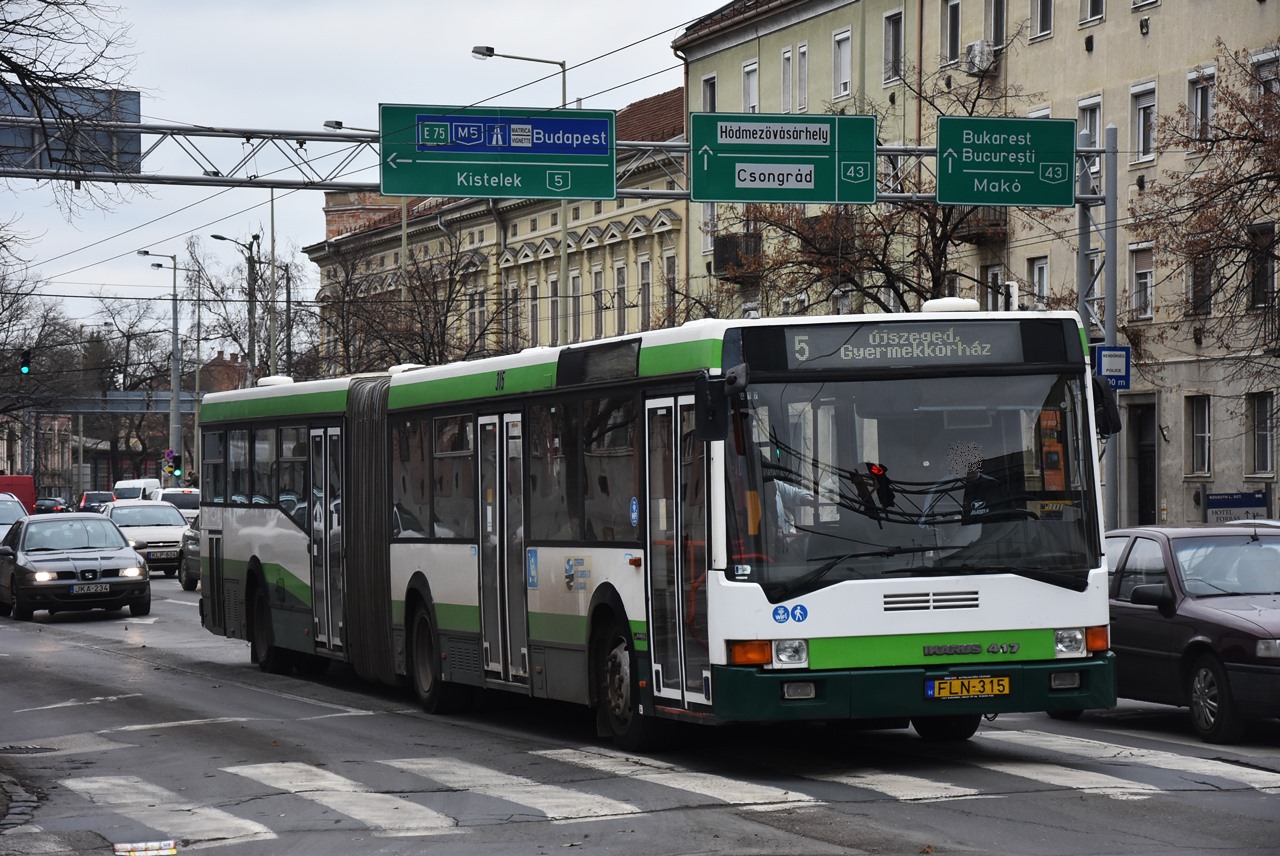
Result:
[[1213, 566], [148, 515], [72, 535], [831, 481], [11, 510]]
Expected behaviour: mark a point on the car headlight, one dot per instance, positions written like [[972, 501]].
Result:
[[44, 576], [1269, 647], [131, 572]]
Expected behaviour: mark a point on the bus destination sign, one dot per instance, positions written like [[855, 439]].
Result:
[[911, 344]]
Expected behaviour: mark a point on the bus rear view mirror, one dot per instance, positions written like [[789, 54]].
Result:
[[1106, 411], [711, 407]]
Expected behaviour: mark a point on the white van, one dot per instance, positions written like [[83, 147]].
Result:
[[187, 499], [135, 488]]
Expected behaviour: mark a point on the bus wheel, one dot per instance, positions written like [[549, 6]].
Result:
[[618, 690], [434, 694], [947, 728], [262, 648]]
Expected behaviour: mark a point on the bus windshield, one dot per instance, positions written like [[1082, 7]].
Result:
[[871, 479]]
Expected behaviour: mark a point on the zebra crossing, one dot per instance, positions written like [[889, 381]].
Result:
[[437, 795]]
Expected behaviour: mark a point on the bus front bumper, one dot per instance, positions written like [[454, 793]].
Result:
[[745, 694]]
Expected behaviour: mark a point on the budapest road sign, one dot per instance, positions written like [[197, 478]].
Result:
[[1001, 161], [497, 152], [761, 157]]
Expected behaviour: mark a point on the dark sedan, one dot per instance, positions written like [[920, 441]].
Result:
[[1195, 622], [93, 500], [51, 505], [72, 561]]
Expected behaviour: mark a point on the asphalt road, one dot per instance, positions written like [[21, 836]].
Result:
[[116, 730]]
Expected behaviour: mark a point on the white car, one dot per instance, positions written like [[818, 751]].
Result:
[[187, 499], [159, 524]]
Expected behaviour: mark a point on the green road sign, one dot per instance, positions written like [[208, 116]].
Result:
[[509, 152], [758, 157], [999, 161]]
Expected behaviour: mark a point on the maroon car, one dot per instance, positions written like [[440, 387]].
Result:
[[1195, 622]]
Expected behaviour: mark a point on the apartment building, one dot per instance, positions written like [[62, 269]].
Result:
[[1198, 427]]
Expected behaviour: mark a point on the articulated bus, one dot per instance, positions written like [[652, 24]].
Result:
[[886, 519]]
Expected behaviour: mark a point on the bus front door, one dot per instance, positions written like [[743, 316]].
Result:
[[325, 511], [503, 603], [677, 554]]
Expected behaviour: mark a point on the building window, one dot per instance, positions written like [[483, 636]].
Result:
[[575, 308], [1090, 119], [670, 274], [1200, 104], [599, 207], [709, 226], [1199, 435], [515, 229], [1200, 291], [841, 65], [555, 219], [646, 294], [1092, 10], [1142, 263], [994, 24], [1144, 123], [533, 224], [619, 300], [709, 94], [535, 338], [993, 288], [950, 31], [802, 78], [1267, 75], [1261, 414], [1041, 17], [597, 293], [751, 87], [785, 82], [554, 317], [513, 331], [892, 47], [1038, 276], [477, 317], [1260, 266]]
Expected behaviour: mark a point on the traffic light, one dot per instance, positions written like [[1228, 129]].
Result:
[[25, 366], [175, 467]]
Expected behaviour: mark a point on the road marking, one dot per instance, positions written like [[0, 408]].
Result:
[[720, 788], [1094, 750], [387, 815], [165, 811], [1069, 777], [79, 703], [191, 603], [69, 744], [555, 802], [898, 786], [180, 723]]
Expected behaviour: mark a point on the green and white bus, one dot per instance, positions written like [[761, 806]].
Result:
[[880, 519]]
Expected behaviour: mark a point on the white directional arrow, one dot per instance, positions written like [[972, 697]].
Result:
[[704, 151], [950, 155]]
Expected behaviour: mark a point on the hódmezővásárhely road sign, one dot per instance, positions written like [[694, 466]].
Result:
[[508, 152], [758, 157], [1000, 161]]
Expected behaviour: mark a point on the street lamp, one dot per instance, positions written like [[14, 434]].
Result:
[[175, 376], [485, 52], [251, 262]]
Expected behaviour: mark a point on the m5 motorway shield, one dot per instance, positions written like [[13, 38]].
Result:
[[508, 152], [761, 157]]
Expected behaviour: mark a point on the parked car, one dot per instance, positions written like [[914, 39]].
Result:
[[51, 505], [189, 556], [93, 500], [187, 499], [159, 524], [72, 561], [10, 511], [1195, 622]]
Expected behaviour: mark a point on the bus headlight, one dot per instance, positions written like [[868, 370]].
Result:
[[1069, 642], [793, 653]]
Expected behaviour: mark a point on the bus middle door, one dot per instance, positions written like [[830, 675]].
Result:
[[503, 604], [325, 512]]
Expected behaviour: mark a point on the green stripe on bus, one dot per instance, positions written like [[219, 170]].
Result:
[[680, 357], [553, 627], [857, 652], [309, 403], [484, 384], [278, 578], [458, 616]]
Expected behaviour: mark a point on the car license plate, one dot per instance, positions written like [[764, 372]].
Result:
[[966, 687], [163, 554], [91, 588]]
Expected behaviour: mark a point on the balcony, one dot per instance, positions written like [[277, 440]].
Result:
[[734, 257], [981, 224]]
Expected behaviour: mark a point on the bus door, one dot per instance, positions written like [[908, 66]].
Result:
[[327, 578], [503, 604], [677, 554]]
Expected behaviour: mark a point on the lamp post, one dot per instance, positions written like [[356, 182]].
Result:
[[175, 375], [485, 52], [251, 262]]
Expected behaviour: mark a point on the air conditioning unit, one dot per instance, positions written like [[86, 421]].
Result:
[[979, 57]]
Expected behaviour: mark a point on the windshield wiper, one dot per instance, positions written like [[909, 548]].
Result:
[[1039, 573], [832, 561]]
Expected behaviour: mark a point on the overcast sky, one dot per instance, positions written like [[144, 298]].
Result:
[[291, 65]]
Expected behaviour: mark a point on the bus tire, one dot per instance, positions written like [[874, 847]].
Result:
[[939, 729], [262, 648], [618, 690], [425, 673]]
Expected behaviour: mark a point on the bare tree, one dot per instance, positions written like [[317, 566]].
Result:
[[1212, 221]]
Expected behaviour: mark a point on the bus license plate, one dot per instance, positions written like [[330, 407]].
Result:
[[966, 687], [91, 588]]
